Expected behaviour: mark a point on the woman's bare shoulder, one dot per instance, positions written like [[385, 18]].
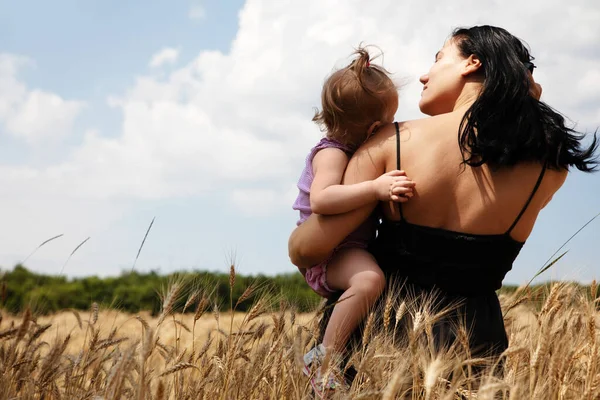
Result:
[[557, 178], [376, 150], [383, 142], [379, 140], [385, 137], [426, 123], [413, 133]]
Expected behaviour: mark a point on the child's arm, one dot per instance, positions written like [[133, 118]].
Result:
[[329, 196]]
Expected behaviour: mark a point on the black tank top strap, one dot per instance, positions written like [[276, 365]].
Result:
[[535, 188], [398, 159]]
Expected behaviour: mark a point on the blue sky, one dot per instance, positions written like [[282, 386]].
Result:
[[198, 113]]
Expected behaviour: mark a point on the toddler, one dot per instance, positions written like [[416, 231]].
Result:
[[356, 101]]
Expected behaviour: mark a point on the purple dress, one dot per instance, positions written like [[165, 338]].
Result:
[[316, 275]]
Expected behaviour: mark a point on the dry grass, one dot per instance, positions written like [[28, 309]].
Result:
[[554, 353]]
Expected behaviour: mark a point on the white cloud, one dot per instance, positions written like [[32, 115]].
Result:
[[240, 119], [244, 116], [168, 55], [197, 12], [33, 115], [263, 202], [255, 202], [43, 115]]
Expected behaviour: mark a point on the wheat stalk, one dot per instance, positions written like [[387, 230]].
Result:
[[552, 354]]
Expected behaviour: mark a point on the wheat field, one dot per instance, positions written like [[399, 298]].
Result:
[[207, 354]]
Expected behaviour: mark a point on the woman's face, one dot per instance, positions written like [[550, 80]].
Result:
[[443, 84]]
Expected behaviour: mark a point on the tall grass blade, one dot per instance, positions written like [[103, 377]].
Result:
[[71, 255], [41, 245], [547, 267], [564, 244], [142, 245]]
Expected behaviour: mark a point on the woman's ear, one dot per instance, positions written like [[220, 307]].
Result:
[[472, 65], [373, 128]]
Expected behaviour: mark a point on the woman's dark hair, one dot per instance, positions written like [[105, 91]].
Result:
[[506, 125]]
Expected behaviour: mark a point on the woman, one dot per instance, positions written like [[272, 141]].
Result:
[[476, 200]]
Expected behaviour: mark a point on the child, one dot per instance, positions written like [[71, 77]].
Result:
[[356, 100]]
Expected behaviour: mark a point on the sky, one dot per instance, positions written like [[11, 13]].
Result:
[[198, 114]]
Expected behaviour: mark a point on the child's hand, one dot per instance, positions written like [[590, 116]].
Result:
[[402, 190], [393, 185]]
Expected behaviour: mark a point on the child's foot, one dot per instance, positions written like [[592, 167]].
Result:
[[324, 386], [314, 357], [321, 385]]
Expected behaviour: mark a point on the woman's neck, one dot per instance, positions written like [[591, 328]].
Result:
[[468, 96]]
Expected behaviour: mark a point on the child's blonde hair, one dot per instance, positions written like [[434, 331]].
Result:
[[353, 98]]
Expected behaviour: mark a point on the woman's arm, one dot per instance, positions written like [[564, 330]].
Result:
[[328, 196], [315, 239]]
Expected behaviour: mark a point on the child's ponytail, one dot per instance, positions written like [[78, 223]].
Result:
[[354, 97]]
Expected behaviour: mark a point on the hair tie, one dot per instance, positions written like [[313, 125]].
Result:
[[368, 64]]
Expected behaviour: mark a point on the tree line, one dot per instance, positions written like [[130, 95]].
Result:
[[136, 291]]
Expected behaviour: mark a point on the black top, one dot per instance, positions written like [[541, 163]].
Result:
[[459, 271], [456, 262]]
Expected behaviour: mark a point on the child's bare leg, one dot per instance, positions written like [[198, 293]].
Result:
[[356, 272]]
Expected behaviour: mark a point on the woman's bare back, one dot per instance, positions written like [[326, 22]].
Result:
[[454, 196]]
